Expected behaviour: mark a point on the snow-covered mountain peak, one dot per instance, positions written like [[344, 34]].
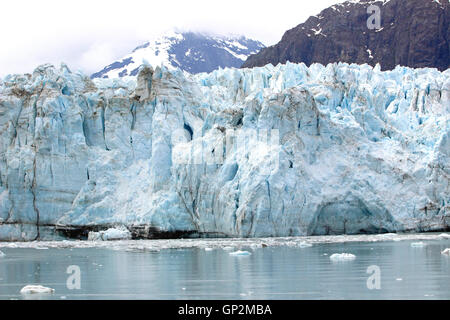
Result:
[[190, 51]]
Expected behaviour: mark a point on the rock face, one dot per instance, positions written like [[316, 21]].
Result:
[[413, 33], [271, 151], [190, 51]]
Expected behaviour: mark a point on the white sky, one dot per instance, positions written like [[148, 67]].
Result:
[[90, 34]]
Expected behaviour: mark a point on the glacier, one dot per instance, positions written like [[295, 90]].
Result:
[[275, 151]]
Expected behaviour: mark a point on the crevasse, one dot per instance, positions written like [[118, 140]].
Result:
[[281, 150]]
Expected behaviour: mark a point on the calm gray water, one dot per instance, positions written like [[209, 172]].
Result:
[[268, 273]]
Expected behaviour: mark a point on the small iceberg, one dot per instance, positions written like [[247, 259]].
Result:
[[304, 244], [258, 245], [342, 257], [36, 289], [2, 254], [446, 252], [240, 253], [120, 233], [228, 248], [444, 235], [418, 244], [208, 249]]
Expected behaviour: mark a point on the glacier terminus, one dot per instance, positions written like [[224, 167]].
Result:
[[273, 151]]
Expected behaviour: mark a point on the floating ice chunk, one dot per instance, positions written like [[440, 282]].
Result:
[[243, 294], [342, 257], [36, 289], [227, 248], [418, 244], [240, 253], [209, 249], [120, 233], [304, 244], [2, 254], [444, 235], [446, 252], [301, 244], [399, 279]]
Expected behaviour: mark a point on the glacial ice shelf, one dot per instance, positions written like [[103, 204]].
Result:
[[339, 149]]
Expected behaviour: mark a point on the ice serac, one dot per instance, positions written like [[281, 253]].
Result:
[[336, 149]]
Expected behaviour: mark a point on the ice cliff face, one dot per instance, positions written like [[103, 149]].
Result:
[[270, 151]]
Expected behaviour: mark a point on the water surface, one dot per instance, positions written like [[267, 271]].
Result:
[[281, 272]]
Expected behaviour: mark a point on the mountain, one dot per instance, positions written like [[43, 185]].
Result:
[[413, 33], [189, 51], [281, 150]]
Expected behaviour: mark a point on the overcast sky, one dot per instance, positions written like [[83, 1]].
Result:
[[90, 34]]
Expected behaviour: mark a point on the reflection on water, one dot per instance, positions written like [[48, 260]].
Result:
[[269, 273]]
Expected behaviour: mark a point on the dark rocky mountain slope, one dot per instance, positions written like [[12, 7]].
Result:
[[413, 33]]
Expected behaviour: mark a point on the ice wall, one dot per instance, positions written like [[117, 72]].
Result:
[[270, 151]]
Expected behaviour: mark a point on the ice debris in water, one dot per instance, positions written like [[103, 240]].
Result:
[[223, 244], [444, 235], [446, 252], [304, 244], [301, 244], [418, 244], [209, 249], [36, 289], [2, 254], [120, 233], [240, 253], [342, 257]]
